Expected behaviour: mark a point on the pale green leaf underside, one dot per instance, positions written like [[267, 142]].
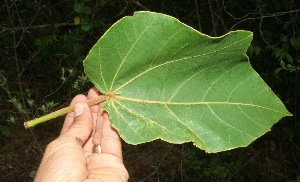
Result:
[[171, 82]]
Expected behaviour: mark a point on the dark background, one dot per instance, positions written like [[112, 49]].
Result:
[[41, 54]]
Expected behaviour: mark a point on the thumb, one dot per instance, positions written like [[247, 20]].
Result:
[[64, 158], [82, 125]]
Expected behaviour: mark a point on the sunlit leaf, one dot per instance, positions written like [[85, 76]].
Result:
[[77, 20]]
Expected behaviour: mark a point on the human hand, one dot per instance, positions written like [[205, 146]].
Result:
[[70, 157]]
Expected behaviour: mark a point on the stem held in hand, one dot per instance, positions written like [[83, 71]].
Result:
[[62, 111]]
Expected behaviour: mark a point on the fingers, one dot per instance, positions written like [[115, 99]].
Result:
[[93, 92], [104, 134], [82, 125], [96, 119], [110, 139], [98, 128], [70, 116]]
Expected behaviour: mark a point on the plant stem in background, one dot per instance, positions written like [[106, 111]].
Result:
[[62, 111]]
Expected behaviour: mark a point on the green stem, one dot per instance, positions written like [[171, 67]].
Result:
[[62, 111]]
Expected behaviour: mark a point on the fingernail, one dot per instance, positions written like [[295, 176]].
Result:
[[79, 109]]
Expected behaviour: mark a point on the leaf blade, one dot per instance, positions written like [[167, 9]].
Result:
[[168, 81]]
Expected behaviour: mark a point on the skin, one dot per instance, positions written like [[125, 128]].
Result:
[[70, 157]]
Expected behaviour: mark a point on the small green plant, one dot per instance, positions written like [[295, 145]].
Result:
[[80, 82], [284, 53], [254, 49], [29, 108], [82, 8]]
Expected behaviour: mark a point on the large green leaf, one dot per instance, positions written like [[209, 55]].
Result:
[[166, 80]]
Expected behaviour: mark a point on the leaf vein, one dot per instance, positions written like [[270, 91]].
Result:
[[236, 87], [216, 80], [195, 134], [113, 105], [101, 71], [228, 124], [172, 61], [191, 77], [145, 118], [259, 124], [124, 59], [167, 41]]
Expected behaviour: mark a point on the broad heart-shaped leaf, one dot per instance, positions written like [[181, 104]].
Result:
[[166, 80]]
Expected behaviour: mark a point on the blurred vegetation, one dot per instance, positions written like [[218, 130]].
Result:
[[43, 44]]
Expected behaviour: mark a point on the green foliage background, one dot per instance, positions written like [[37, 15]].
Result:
[[41, 54]]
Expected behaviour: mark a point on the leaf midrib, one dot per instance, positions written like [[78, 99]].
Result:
[[193, 103]]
